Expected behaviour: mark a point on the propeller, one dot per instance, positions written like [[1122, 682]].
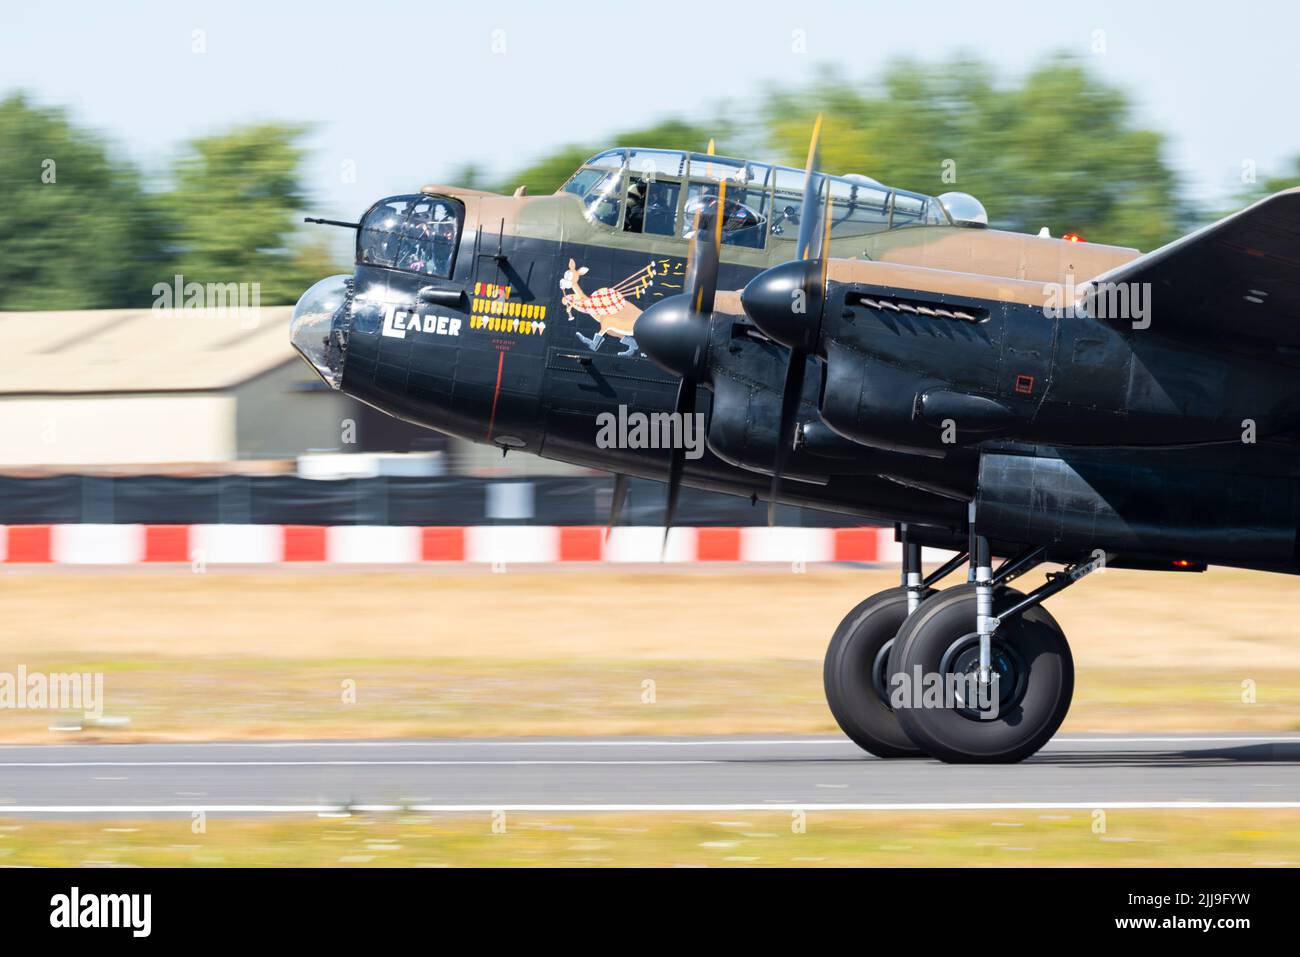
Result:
[[785, 302], [616, 503], [674, 332], [677, 462]]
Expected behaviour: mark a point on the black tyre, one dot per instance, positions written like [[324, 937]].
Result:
[[855, 671], [1030, 657]]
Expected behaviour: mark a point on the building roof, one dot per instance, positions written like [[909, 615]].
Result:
[[140, 350]]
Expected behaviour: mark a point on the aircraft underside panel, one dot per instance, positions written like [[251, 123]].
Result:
[[1090, 502]]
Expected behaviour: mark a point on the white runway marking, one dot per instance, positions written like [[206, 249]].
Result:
[[657, 743], [324, 764], [583, 808], [1162, 739], [486, 743], [569, 776]]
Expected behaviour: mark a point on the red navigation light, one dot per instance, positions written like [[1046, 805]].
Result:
[[1073, 238], [1182, 563]]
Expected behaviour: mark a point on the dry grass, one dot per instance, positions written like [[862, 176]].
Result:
[[232, 655], [889, 839], [1137, 619]]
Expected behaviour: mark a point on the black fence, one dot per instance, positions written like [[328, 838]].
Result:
[[290, 500]]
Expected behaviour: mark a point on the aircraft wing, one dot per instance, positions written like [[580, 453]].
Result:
[[1234, 283]]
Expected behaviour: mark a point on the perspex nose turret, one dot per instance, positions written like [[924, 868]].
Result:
[[314, 332]]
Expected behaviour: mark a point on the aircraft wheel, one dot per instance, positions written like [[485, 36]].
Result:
[[1030, 657], [854, 674]]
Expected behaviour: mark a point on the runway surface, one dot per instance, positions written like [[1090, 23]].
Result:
[[590, 774]]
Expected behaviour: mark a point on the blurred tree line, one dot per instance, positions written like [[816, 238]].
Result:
[[81, 229], [1058, 148]]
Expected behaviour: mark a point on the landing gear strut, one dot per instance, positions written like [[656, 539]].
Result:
[[995, 671], [980, 672]]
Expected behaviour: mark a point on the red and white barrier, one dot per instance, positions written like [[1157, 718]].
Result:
[[508, 544]]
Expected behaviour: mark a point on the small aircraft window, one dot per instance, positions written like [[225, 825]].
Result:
[[752, 205], [651, 206], [582, 181], [599, 191], [785, 214], [935, 214], [381, 234], [857, 209], [787, 203], [742, 225], [704, 166], [908, 210], [651, 164], [748, 186], [610, 159], [413, 233]]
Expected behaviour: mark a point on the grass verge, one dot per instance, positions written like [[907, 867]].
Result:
[[160, 699], [271, 653], [1230, 838]]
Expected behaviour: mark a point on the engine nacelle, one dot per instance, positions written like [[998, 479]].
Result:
[[874, 403], [743, 423]]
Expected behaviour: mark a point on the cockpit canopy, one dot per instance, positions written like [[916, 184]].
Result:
[[660, 192], [412, 233]]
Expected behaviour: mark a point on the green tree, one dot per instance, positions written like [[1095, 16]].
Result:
[[549, 173], [77, 228], [1058, 149], [469, 176], [236, 203]]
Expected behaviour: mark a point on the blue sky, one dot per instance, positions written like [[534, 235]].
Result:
[[410, 91]]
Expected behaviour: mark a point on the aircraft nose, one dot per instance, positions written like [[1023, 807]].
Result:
[[318, 327]]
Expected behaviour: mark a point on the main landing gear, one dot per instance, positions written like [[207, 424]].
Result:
[[978, 672]]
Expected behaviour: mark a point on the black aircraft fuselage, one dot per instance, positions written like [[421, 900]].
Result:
[[533, 385], [935, 376]]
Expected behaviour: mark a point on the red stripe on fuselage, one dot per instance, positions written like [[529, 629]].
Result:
[[496, 394]]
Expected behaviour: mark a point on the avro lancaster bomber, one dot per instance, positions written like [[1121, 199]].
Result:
[[871, 351]]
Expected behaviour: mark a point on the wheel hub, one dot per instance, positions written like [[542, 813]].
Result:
[[963, 658]]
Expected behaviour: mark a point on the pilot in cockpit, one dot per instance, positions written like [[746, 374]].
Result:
[[634, 218], [431, 241], [444, 244], [417, 249]]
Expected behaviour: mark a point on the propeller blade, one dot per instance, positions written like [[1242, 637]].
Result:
[[768, 297], [702, 261], [811, 215], [704, 250], [814, 241], [616, 502], [677, 461], [702, 274], [674, 493], [790, 398], [826, 240]]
